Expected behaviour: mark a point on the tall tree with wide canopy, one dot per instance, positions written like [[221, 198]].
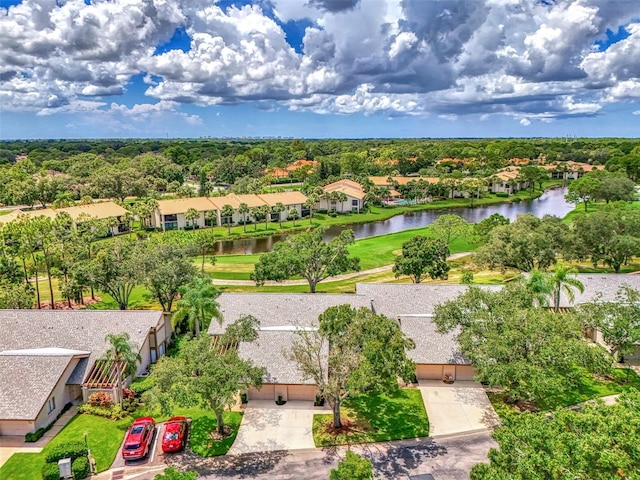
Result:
[[530, 352], [421, 257], [166, 267], [115, 269], [207, 373], [308, 255], [352, 350], [197, 305], [124, 354], [599, 442], [449, 228]]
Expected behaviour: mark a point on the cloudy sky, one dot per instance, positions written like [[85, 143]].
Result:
[[319, 68]]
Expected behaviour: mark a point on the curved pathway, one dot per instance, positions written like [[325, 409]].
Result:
[[345, 276]]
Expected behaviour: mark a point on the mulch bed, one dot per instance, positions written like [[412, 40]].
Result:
[[64, 305]]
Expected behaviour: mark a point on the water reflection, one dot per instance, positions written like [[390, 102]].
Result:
[[552, 202]]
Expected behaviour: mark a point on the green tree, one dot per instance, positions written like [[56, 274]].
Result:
[[583, 190], [563, 279], [124, 354], [115, 269], [265, 212], [450, 227], [307, 255], [483, 229], [227, 212], [204, 242], [531, 353], [365, 351], [422, 256], [243, 209], [192, 215], [525, 244], [173, 474], [197, 305], [310, 203], [598, 442], [256, 213], [352, 467], [279, 208], [294, 215], [616, 187], [165, 268], [207, 374]]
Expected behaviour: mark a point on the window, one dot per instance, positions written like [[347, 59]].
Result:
[[354, 203], [170, 222], [51, 405]]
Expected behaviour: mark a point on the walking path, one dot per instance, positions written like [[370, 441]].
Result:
[[345, 276]]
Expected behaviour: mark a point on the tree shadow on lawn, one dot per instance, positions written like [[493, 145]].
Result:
[[201, 441]]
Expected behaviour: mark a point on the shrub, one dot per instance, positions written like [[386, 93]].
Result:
[[100, 399], [50, 471], [332, 214], [80, 468], [113, 412], [141, 385], [34, 436], [70, 450], [502, 194]]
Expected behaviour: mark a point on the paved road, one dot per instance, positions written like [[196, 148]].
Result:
[[445, 458]]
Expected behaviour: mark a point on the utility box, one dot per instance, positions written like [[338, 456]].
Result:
[[64, 467]]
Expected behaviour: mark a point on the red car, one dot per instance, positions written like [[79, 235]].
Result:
[[138, 439], [175, 434]]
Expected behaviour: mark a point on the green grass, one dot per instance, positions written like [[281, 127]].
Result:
[[200, 441], [378, 418], [588, 388], [103, 437], [592, 207]]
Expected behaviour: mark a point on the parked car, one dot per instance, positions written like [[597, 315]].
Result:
[[138, 440], [175, 434]]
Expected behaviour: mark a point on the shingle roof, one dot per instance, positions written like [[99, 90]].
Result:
[[431, 347], [267, 351], [23, 394], [83, 330], [279, 309], [605, 283], [346, 186], [181, 205], [287, 198], [99, 210]]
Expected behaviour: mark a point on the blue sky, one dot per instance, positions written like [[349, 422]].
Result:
[[321, 68]]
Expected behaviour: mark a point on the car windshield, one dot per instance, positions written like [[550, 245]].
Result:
[[133, 446], [171, 436], [137, 429]]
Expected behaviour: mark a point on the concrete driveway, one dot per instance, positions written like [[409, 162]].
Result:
[[267, 427], [14, 444], [459, 408]]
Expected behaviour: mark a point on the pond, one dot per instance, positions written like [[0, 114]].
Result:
[[552, 202]]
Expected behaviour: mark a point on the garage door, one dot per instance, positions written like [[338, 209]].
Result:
[[429, 372], [301, 392], [267, 392], [464, 372]]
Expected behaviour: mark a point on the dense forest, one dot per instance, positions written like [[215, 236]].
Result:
[[46, 171]]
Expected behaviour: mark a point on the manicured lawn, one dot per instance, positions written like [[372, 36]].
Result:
[[103, 437], [378, 418], [203, 424], [588, 388]]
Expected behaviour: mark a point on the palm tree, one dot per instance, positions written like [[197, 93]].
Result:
[[198, 305], [256, 213], [294, 215], [563, 282], [540, 285], [310, 203], [211, 217], [227, 212], [191, 216], [279, 208], [243, 209], [123, 354], [265, 210]]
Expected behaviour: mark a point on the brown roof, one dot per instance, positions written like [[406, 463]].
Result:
[[301, 163], [346, 186], [181, 205], [98, 210], [287, 198], [383, 181]]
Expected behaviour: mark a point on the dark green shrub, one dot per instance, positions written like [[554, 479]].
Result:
[[80, 468], [34, 436], [114, 412], [50, 471], [141, 385], [502, 194], [70, 450]]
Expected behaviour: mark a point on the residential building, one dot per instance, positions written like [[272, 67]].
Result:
[[49, 358], [354, 197]]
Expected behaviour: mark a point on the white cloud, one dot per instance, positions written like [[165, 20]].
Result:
[[525, 122], [521, 58]]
